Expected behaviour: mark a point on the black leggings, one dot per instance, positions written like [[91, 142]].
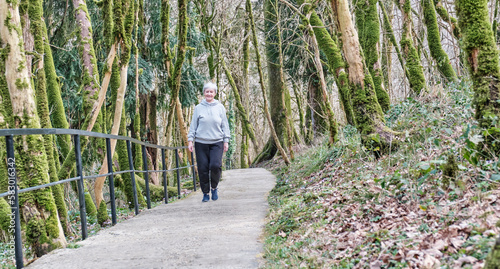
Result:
[[209, 159]]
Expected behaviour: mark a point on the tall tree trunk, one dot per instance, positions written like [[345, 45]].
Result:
[[329, 46], [410, 53], [299, 102], [124, 17], [285, 93], [269, 118], [332, 123], [369, 36], [276, 87], [434, 41], [482, 56], [43, 228], [244, 93], [392, 38], [56, 106], [94, 96], [369, 116], [38, 31], [174, 76], [241, 109], [387, 51]]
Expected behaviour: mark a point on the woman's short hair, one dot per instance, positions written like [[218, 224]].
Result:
[[210, 85]]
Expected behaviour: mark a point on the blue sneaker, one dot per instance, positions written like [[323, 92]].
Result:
[[206, 197], [214, 194]]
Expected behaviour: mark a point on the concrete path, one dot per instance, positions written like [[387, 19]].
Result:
[[185, 234]]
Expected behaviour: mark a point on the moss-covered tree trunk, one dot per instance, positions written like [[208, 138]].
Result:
[[332, 123], [269, 116], [5, 123], [299, 100], [443, 13], [43, 229], [244, 94], [93, 94], [174, 76], [247, 126], [368, 25], [415, 70], [482, 57], [285, 94], [386, 56], [124, 18], [336, 63], [37, 30], [434, 41], [390, 33], [56, 107], [276, 87], [369, 117]]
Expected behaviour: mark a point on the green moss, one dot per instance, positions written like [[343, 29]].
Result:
[[165, 26], [482, 56], [434, 41], [369, 36], [415, 70], [450, 171], [241, 109], [90, 207], [137, 147], [493, 259], [121, 151], [5, 215], [244, 152], [37, 28], [58, 115], [392, 38], [102, 214], [90, 74], [443, 13], [21, 85], [156, 192], [336, 63]]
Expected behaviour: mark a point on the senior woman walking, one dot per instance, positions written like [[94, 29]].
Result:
[[210, 132]]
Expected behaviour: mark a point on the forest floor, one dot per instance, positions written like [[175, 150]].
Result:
[[340, 207], [185, 234]]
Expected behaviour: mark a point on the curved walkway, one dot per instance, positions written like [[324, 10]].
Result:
[[184, 234]]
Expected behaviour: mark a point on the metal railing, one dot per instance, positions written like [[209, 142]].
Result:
[[13, 191]]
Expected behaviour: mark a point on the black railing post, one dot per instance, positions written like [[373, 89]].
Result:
[[165, 188], [81, 189], [111, 181], [13, 200], [194, 172], [178, 173], [146, 176], [132, 177]]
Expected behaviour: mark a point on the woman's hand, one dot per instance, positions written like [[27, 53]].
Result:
[[190, 146], [226, 146]]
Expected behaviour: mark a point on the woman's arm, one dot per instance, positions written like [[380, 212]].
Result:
[[192, 129], [225, 126]]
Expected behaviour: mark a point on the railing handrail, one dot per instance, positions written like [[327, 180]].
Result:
[[13, 190], [60, 131]]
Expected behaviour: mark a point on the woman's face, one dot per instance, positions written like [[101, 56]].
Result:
[[209, 95]]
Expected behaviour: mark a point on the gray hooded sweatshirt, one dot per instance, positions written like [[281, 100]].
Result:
[[209, 124]]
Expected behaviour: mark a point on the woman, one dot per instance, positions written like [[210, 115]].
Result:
[[210, 132]]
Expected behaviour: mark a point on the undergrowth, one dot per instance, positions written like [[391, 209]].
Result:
[[340, 207]]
